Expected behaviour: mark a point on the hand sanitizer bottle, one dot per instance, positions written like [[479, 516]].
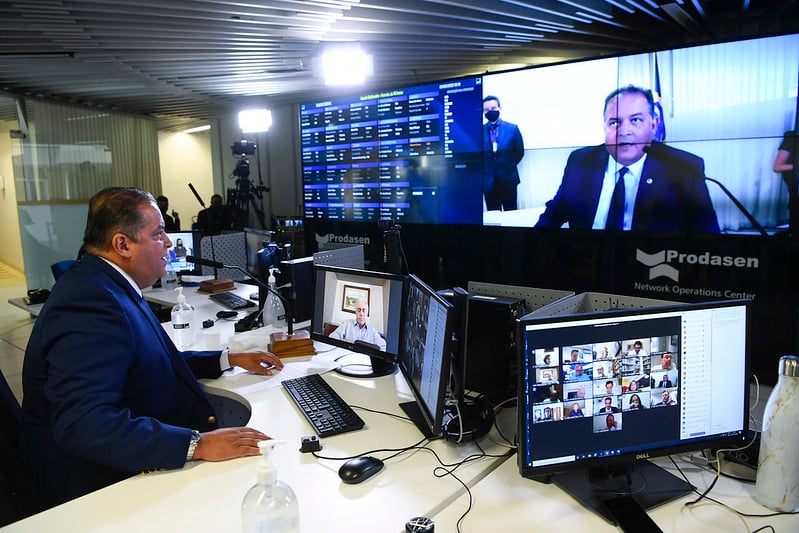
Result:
[[169, 280], [182, 317], [270, 505], [274, 312]]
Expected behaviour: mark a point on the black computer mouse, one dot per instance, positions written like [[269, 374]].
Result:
[[359, 469]]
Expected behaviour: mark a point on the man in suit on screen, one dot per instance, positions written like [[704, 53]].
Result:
[[503, 148], [632, 182]]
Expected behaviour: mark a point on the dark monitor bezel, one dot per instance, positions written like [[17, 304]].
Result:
[[317, 320], [253, 264], [432, 419], [659, 449], [196, 236]]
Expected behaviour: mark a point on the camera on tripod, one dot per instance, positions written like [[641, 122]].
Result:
[[246, 192]]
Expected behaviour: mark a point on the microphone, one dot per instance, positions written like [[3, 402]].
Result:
[[740, 207], [288, 345], [197, 195]]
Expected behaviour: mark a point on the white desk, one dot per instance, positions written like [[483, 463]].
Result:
[[206, 496], [504, 501]]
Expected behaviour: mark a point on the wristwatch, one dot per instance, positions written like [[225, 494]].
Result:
[[195, 440]]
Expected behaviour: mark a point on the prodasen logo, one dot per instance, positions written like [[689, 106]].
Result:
[[657, 265], [342, 239], [660, 262]]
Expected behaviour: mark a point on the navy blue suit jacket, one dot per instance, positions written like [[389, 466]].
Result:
[[502, 164], [672, 195], [106, 392]]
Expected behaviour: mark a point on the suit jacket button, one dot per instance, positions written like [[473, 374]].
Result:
[[211, 419]]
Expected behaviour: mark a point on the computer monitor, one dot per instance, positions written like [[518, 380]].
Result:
[[424, 355], [600, 393], [359, 310], [184, 243]]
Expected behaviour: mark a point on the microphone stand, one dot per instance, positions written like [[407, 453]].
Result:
[[740, 207], [289, 344]]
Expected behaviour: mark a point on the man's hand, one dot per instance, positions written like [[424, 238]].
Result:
[[228, 443], [257, 361]]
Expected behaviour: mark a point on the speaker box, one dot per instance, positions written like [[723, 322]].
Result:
[[299, 273], [491, 367]]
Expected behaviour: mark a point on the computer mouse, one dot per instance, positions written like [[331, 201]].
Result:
[[359, 469]]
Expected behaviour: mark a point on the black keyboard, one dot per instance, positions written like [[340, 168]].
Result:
[[327, 412], [231, 300]]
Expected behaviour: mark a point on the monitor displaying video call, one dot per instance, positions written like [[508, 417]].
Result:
[[626, 382], [546, 151], [359, 310], [184, 243]]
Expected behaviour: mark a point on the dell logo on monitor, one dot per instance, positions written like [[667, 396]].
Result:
[[642, 456]]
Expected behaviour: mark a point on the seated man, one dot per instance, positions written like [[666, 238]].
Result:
[[358, 330]]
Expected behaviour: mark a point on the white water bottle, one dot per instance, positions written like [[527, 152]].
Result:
[[270, 506], [182, 317], [777, 485]]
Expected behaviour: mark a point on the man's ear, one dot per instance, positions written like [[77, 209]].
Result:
[[120, 243]]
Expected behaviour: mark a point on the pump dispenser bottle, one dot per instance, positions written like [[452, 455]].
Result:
[[274, 312], [182, 317], [270, 505]]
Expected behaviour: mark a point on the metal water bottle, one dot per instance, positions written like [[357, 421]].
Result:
[[777, 485]]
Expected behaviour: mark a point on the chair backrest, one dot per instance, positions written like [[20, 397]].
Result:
[[18, 495], [61, 267]]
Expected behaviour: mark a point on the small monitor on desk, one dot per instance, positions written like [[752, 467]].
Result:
[[184, 243], [678, 382], [424, 354], [359, 310]]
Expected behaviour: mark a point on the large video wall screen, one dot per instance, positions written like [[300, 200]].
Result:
[[418, 154]]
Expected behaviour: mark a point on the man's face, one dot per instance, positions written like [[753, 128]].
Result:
[[163, 205], [666, 396], [574, 355], [600, 372], [629, 127], [361, 310], [637, 347], [611, 421], [609, 387], [581, 392], [490, 105], [607, 402], [665, 361], [148, 255], [578, 370]]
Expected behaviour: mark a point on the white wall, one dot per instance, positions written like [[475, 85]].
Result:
[[11, 250], [185, 158]]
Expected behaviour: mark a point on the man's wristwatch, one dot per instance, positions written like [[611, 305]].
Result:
[[195, 440]]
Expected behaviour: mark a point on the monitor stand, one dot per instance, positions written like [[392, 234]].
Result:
[[644, 482], [357, 365], [414, 412]]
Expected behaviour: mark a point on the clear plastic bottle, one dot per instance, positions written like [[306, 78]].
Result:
[[270, 505], [274, 312], [169, 280], [182, 318], [777, 484]]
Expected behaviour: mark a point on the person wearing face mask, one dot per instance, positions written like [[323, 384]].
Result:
[[503, 148], [632, 182]]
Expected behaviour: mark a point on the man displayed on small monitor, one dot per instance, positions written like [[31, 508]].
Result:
[[358, 329]]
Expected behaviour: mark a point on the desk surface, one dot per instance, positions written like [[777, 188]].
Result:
[[206, 496]]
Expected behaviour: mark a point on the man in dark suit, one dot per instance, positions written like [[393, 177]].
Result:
[[503, 148], [106, 394], [659, 189]]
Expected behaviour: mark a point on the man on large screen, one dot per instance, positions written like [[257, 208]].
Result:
[[632, 182], [503, 148]]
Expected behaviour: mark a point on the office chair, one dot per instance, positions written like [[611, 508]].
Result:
[[19, 497], [61, 267]]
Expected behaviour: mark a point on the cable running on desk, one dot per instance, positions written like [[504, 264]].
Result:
[[231, 300], [327, 412]]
